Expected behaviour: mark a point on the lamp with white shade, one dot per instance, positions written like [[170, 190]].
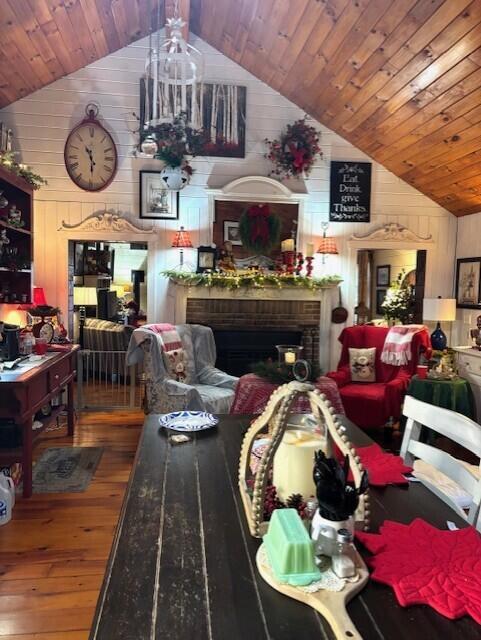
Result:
[[85, 296], [439, 310]]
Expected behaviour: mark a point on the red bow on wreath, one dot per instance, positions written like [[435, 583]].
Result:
[[260, 218], [298, 156]]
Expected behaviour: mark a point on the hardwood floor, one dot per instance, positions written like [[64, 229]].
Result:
[[54, 551]]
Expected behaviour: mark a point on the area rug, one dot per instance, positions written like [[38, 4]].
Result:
[[65, 469]]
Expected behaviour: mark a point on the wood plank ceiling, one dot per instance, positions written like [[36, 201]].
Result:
[[400, 79]]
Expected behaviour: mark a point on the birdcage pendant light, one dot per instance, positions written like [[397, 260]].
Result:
[[173, 70]]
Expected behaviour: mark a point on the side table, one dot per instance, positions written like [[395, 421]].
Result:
[[455, 394], [23, 391]]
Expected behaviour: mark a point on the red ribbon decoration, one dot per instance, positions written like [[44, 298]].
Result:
[[298, 156], [259, 214]]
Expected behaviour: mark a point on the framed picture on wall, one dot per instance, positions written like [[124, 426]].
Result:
[[206, 259], [380, 295], [231, 233], [383, 275], [155, 201], [468, 283]]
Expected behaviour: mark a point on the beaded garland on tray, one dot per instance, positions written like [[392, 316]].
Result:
[[275, 417]]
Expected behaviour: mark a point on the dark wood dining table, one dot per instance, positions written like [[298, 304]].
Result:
[[182, 565]]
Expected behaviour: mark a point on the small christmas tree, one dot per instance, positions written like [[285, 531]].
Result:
[[398, 304]]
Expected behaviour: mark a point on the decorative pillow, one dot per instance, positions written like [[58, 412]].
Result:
[[175, 363], [362, 363]]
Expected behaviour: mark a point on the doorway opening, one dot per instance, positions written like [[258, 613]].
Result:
[[107, 281], [378, 269]]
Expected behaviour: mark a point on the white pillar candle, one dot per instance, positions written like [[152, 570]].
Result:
[[289, 357], [294, 463], [288, 245], [309, 249]]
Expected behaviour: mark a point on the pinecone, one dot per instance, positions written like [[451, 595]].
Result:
[[296, 502]]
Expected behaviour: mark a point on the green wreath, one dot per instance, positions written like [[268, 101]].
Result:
[[259, 229]]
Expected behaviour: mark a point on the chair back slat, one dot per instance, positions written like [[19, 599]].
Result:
[[457, 428], [445, 463], [450, 424]]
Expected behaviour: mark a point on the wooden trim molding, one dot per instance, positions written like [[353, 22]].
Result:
[[257, 188], [391, 232], [105, 221]]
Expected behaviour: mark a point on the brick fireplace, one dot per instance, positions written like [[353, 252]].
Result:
[[248, 330], [255, 320]]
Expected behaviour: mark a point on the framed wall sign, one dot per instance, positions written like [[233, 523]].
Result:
[[383, 275], [468, 283], [157, 202], [350, 192]]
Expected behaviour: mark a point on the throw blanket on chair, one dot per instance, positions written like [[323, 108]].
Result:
[[397, 346], [170, 338]]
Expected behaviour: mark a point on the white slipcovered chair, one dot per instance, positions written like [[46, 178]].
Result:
[[210, 389], [452, 480]]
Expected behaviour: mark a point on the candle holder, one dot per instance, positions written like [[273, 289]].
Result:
[[300, 262], [309, 266], [289, 259], [289, 353]]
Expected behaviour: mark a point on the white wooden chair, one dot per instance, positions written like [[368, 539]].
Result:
[[457, 428]]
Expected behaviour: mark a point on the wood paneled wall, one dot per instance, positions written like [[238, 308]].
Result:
[[42, 121], [400, 79]]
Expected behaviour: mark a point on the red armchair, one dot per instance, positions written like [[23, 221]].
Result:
[[372, 404]]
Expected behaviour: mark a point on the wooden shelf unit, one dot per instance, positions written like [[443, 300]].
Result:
[[16, 283]]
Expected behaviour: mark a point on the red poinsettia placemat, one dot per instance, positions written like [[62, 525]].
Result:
[[383, 468], [425, 565]]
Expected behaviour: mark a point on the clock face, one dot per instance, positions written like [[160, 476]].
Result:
[[90, 156], [46, 332], [43, 330]]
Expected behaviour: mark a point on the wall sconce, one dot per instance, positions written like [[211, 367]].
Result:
[[327, 246]]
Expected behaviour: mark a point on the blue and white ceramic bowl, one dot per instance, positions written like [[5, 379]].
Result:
[[188, 420]]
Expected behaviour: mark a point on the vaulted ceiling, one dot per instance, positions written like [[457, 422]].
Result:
[[400, 79]]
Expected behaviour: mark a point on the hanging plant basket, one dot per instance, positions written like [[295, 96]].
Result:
[[294, 154], [175, 178], [171, 142], [259, 229]]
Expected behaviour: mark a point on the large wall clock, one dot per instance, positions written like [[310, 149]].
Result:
[[90, 154]]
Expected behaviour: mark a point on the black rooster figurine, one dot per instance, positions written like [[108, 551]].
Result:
[[337, 498]]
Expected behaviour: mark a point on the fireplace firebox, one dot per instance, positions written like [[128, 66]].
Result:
[[237, 350]]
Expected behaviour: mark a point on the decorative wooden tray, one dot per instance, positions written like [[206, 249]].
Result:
[[330, 604]]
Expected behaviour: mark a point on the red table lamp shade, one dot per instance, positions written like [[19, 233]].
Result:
[[39, 297], [182, 240], [327, 246]]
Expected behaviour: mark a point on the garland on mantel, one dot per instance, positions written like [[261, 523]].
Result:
[[253, 280]]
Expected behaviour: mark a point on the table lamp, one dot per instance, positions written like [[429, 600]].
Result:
[[439, 309], [327, 245], [85, 296], [182, 241], [39, 299]]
